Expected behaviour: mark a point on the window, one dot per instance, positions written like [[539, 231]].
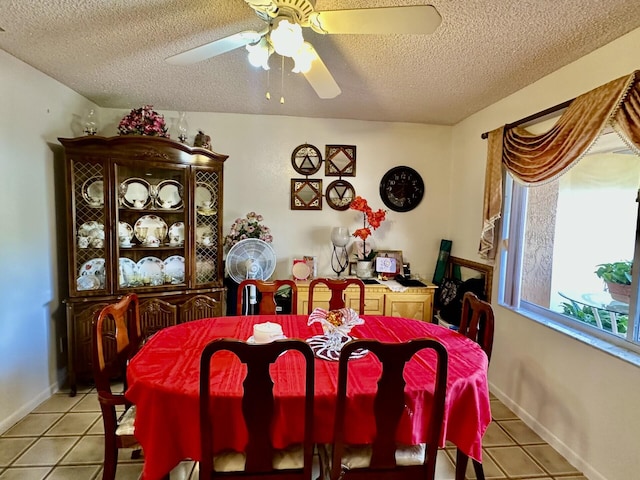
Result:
[[560, 233]]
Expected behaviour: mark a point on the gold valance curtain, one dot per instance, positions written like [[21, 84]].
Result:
[[536, 159]]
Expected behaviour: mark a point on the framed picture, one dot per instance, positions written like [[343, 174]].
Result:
[[340, 161], [388, 263], [306, 194], [352, 268]]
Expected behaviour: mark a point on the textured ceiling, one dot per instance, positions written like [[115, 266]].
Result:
[[113, 52]]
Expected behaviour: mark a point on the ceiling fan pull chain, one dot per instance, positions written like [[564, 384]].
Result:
[[268, 95]]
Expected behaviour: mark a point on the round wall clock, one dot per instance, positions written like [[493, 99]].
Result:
[[401, 189]]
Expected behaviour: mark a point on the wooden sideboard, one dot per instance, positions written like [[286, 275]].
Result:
[[414, 302]]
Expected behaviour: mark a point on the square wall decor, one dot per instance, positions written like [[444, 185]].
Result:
[[306, 194], [340, 161]]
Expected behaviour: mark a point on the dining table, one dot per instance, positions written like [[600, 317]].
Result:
[[163, 383]]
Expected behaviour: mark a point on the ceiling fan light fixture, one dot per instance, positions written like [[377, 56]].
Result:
[[259, 53], [303, 58], [286, 37]]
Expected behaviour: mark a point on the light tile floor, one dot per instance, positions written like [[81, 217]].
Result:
[[62, 440]]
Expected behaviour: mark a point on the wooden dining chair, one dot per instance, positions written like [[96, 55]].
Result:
[[476, 323], [116, 338], [384, 459], [337, 288], [261, 459], [268, 290]]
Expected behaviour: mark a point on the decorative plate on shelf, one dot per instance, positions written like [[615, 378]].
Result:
[[128, 270], [135, 193], [93, 192], [94, 267], [203, 231], [150, 267], [176, 234], [149, 226], [174, 267], [125, 230], [91, 230], [169, 195], [327, 347], [204, 199], [87, 282]]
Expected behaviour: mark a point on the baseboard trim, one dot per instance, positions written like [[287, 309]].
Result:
[[569, 454], [27, 408]]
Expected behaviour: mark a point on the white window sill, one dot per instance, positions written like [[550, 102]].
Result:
[[620, 350]]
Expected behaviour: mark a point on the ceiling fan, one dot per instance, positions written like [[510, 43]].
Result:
[[283, 35]]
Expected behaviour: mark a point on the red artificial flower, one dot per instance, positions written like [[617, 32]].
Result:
[[362, 233], [359, 204]]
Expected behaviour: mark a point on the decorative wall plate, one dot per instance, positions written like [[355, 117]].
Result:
[[401, 189], [149, 226], [340, 161], [93, 192], [135, 193], [306, 159], [169, 195], [339, 194]]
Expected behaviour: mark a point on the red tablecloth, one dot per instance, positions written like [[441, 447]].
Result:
[[163, 382]]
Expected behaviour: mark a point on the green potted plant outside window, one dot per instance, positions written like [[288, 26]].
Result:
[[617, 277]]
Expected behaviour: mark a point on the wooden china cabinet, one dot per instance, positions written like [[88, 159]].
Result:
[[144, 215]]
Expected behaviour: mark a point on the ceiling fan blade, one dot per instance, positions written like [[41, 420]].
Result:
[[422, 19], [213, 49], [321, 79]]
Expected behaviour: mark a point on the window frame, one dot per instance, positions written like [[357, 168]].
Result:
[[510, 278]]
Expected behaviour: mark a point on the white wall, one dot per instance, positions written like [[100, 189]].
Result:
[[258, 173], [584, 402], [35, 111]]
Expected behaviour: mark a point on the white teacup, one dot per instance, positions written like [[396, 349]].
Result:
[[97, 243], [167, 204], [83, 242], [151, 241], [138, 203]]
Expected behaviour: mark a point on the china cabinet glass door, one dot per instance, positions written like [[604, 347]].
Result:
[[151, 235]]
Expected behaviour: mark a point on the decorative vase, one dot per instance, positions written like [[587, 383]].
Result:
[[364, 269], [619, 292], [183, 127]]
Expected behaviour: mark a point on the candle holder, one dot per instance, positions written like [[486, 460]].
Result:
[[339, 257]]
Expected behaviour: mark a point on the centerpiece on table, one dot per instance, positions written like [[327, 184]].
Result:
[[143, 121], [371, 220], [336, 325], [248, 227]]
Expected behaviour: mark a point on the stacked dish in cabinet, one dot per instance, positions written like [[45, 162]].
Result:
[[163, 230]]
